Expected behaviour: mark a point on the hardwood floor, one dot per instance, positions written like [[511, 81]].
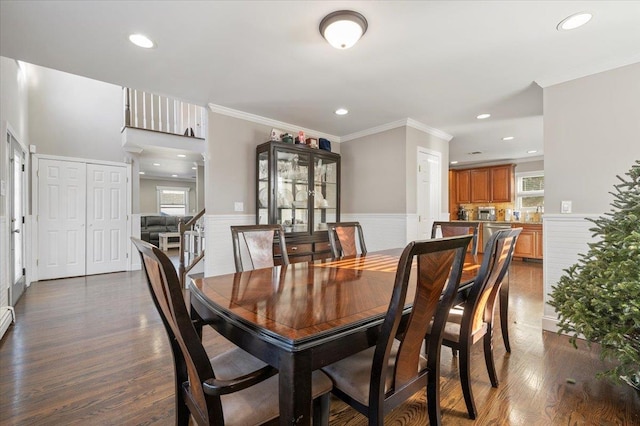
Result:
[[92, 350]]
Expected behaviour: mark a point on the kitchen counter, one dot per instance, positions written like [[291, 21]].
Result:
[[529, 245]]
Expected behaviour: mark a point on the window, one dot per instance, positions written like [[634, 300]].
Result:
[[530, 191], [173, 201]]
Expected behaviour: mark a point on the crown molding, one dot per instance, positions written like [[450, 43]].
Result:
[[577, 73], [408, 122], [270, 122]]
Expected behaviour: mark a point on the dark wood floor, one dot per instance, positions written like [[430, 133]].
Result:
[[92, 350]]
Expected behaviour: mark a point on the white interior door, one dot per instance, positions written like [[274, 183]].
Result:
[[106, 219], [17, 201], [429, 192], [61, 218]]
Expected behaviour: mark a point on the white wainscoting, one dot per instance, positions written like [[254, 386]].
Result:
[[381, 231], [134, 256], [565, 237], [218, 258]]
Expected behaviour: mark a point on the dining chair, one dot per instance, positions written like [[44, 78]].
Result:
[[232, 388], [452, 229], [376, 380], [253, 246], [342, 238], [472, 320]]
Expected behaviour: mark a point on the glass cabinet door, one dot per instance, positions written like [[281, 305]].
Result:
[[325, 181], [292, 191], [263, 188]]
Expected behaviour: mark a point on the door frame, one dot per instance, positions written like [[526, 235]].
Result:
[[5, 228], [14, 145], [34, 199], [438, 185]]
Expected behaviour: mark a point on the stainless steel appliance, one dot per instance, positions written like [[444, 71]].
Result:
[[486, 213], [488, 229]]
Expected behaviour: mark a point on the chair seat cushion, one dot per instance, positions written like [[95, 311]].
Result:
[[352, 375], [256, 404], [452, 327]]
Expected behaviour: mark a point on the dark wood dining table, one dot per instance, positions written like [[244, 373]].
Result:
[[301, 317]]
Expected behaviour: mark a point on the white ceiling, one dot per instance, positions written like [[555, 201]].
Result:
[[439, 63]]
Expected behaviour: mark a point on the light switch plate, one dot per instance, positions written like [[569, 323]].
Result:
[[565, 207], [3, 188], [238, 206]]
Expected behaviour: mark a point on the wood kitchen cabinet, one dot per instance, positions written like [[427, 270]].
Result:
[[484, 185], [480, 185], [463, 186], [503, 184], [529, 243]]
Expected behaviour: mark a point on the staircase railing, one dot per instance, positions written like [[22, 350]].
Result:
[[182, 229], [148, 111]]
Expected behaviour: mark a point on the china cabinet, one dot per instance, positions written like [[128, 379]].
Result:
[[298, 187]]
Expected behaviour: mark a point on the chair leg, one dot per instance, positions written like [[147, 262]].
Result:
[[433, 397], [321, 407], [488, 357], [504, 313], [465, 379]]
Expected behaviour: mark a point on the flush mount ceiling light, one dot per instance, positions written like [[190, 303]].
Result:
[[342, 111], [483, 116], [342, 29], [141, 41], [574, 21], [508, 138]]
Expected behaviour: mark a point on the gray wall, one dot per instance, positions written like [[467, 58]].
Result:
[[373, 173], [149, 198], [591, 134], [74, 116], [530, 166]]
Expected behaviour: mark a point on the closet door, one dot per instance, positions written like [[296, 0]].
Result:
[[61, 219], [106, 219]]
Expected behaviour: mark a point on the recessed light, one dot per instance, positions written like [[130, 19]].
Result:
[[508, 138], [174, 175], [453, 162], [342, 111], [483, 116], [181, 155], [140, 173], [574, 21], [532, 151], [156, 164], [194, 168], [141, 41]]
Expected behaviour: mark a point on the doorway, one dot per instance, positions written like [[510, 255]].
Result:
[[17, 208], [429, 190]]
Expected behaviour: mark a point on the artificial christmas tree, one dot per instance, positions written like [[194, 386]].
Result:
[[598, 298]]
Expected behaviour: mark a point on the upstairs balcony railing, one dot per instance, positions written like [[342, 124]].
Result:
[[148, 111]]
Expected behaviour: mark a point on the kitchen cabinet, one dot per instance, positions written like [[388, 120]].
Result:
[[503, 184], [463, 186], [480, 185], [529, 243], [484, 185], [298, 187]]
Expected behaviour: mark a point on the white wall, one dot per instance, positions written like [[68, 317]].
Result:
[[591, 134]]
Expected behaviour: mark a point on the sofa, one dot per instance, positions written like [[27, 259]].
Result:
[[152, 226]]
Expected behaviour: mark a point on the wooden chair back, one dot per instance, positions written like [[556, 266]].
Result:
[[453, 229], [192, 366], [342, 238], [438, 270], [253, 246], [480, 303]]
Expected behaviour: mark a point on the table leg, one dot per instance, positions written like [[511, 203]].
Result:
[[295, 389]]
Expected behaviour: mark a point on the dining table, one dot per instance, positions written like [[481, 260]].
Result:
[[304, 316]]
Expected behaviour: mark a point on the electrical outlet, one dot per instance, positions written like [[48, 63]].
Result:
[[238, 206], [565, 207]]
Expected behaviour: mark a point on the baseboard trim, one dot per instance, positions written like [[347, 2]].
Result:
[[5, 321]]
